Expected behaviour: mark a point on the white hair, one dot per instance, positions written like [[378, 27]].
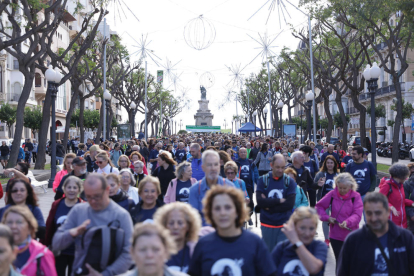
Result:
[[295, 155], [207, 153]]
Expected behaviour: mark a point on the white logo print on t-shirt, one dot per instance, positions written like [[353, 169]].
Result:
[[275, 193], [227, 267], [185, 192], [295, 268]]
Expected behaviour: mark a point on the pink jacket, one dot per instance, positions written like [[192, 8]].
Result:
[[170, 195], [343, 210], [46, 258], [58, 178]]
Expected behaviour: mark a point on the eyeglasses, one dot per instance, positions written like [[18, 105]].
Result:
[[94, 198], [98, 162], [231, 173], [18, 190], [125, 177]]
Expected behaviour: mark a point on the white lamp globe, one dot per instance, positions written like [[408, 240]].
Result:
[[255, 113], [107, 95], [50, 74], [309, 96], [155, 113], [280, 104], [132, 105], [367, 73], [375, 71], [58, 76], [265, 110]]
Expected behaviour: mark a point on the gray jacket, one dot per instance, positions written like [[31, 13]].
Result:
[[167, 272], [264, 162], [81, 212]]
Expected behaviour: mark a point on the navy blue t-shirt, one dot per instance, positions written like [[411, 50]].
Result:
[[244, 173], [244, 255], [22, 259], [62, 212], [80, 153], [182, 192], [380, 265], [147, 214], [328, 186], [276, 189], [362, 173], [180, 261], [180, 155], [154, 155], [311, 167], [288, 263]]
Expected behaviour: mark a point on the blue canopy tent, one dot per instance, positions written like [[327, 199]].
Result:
[[249, 127]]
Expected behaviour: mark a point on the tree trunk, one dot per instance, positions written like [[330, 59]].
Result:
[[330, 119], [72, 106], [289, 113], [100, 126], [362, 117], [111, 116], [338, 100], [28, 83], [41, 149], [398, 120], [81, 119], [131, 119]]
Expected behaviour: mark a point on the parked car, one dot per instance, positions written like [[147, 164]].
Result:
[[304, 138], [356, 141], [334, 140]]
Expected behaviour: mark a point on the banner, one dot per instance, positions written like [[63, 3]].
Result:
[[124, 131], [203, 128], [160, 76], [289, 131]]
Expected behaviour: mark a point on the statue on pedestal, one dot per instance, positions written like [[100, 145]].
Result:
[[203, 92]]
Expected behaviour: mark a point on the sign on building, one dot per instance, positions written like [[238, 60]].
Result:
[[124, 132]]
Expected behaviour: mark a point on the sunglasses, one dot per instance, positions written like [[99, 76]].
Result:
[[98, 162]]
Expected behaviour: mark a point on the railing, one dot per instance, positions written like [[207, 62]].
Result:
[[15, 97], [353, 110], [382, 91]]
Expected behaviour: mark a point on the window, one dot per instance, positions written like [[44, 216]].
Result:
[[15, 64], [17, 88], [38, 80]]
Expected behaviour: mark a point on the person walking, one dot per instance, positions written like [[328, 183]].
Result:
[[345, 206], [254, 151], [165, 171], [304, 178], [393, 189], [100, 210], [330, 152], [9, 252], [4, 154], [409, 194], [67, 168], [230, 250], [211, 168], [78, 170], [263, 159], [179, 188], [60, 152], [196, 161], [275, 196], [34, 152], [379, 247], [301, 253]]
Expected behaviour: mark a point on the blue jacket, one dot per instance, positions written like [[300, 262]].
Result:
[[198, 172], [239, 184], [354, 261], [301, 198], [198, 192], [21, 153], [253, 174]]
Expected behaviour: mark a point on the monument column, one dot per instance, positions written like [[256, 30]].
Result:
[[203, 117]]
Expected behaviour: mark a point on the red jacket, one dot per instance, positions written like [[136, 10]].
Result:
[[1, 191], [396, 197]]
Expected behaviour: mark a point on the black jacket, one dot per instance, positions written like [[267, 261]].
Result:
[[357, 256], [145, 153], [253, 153], [135, 211], [165, 177], [305, 177], [123, 200], [59, 189], [60, 150], [90, 165], [409, 194], [4, 150]]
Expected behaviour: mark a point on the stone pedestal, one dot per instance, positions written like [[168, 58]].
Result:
[[203, 117]]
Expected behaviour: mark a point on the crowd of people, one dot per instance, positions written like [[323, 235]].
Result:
[[184, 205]]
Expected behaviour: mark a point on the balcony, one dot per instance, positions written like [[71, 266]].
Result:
[[40, 86], [382, 91], [13, 98], [352, 110]]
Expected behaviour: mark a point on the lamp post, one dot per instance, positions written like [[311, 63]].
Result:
[[107, 96], [245, 121], [265, 112], [156, 125], [181, 123], [133, 106], [175, 121], [225, 124], [254, 120], [53, 78], [232, 126], [280, 106], [309, 99], [371, 75]]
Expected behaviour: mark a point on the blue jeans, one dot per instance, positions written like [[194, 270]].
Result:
[[60, 160], [272, 236]]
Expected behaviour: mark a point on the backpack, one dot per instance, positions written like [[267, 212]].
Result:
[[102, 246]]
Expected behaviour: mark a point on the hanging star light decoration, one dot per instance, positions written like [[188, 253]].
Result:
[[281, 9], [265, 45], [237, 76], [143, 49], [230, 96], [169, 70]]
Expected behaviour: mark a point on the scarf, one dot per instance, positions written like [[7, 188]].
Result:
[[343, 197]]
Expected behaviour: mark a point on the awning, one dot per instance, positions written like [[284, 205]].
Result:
[[202, 128], [60, 129], [249, 127]]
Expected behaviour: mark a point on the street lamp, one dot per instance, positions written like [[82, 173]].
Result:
[[309, 99], [133, 106], [245, 116], [371, 75], [280, 106], [225, 124], [254, 120], [232, 121], [53, 78], [265, 122], [107, 97], [181, 123]]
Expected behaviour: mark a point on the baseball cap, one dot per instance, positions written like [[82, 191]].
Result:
[[78, 161]]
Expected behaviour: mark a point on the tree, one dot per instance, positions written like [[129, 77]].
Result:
[[33, 118], [91, 118], [379, 111], [338, 120], [407, 110], [8, 115]]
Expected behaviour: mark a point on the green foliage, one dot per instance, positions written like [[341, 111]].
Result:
[[33, 118], [379, 111], [381, 132], [338, 121], [8, 114], [390, 123], [114, 122], [74, 121], [323, 123], [182, 131], [91, 118], [407, 109]]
